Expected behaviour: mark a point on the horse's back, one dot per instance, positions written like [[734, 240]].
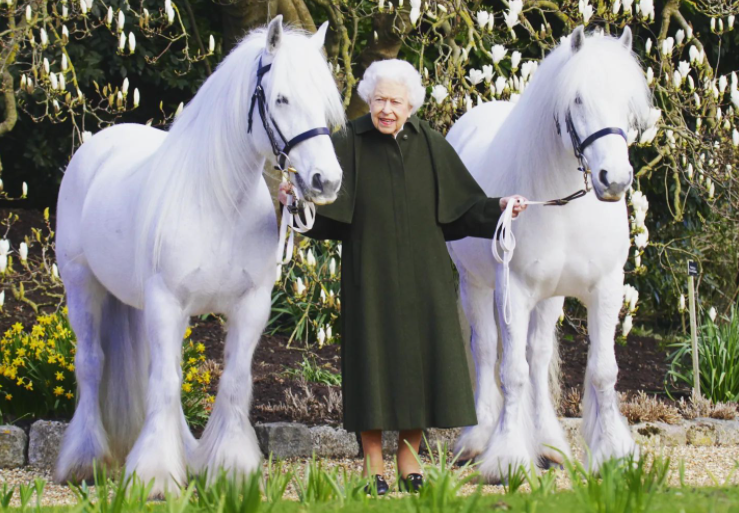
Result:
[[474, 132]]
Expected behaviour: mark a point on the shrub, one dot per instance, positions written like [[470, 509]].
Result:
[[718, 352]]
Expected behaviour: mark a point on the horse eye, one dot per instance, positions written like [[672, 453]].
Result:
[[578, 100], [282, 100]]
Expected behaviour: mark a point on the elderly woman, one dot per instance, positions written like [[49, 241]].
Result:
[[405, 193]]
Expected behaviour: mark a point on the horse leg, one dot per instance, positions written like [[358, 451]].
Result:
[[511, 444], [478, 303], [85, 440], [605, 429], [551, 443], [159, 451], [229, 441]]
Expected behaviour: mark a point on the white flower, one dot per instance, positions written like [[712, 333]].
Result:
[[482, 19], [4, 247], [639, 201], [654, 115], [684, 68], [109, 17], [735, 138], [677, 79], [29, 14], [641, 240], [43, 37], [515, 59], [648, 46], [124, 87], [527, 69], [697, 100], [627, 325], [24, 189], [338, 249], [83, 7], [637, 259], [713, 24], [468, 105], [722, 83], [712, 314], [640, 217], [475, 76], [497, 53], [332, 267], [310, 258], [616, 7], [170, 14], [53, 81], [3, 263], [438, 93], [694, 54], [211, 44], [691, 83], [46, 65], [648, 135], [329, 333], [650, 75], [415, 11], [500, 85], [2, 294], [300, 287], [131, 42], [23, 251], [680, 36], [65, 62], [136, 98], [65, 12], [711, 190], [179, 110], [54, 271], [667, 46], [323, 296], [487, 72], [321, 336], [730, 21], [121, 41], [586, 10], [647, 9], [681, 304], [120, 22]]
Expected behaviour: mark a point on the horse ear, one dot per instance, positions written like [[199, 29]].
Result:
[[577, 39], [626, 38], [320, 36], [274, 34]]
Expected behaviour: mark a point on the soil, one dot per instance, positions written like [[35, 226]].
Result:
[[642, 361]]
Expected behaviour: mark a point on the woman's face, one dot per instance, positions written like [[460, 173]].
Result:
[[389, 106]]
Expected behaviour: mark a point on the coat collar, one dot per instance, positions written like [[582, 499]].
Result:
[[364, 124]]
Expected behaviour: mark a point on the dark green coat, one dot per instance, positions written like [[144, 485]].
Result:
[[403, 357]]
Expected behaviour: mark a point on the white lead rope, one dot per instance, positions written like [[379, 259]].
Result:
[[507, 241], [295, 223]]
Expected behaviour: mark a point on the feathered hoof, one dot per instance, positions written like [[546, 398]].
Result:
[[471, 443], [497, 469], [80, 455]]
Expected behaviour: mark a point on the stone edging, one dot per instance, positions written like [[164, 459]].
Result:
[[40, 447]]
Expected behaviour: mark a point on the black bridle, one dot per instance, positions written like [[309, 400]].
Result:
[[579, 147], [281, 154]]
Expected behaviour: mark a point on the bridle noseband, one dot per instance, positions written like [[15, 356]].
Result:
[[579, 146], [260, 99]]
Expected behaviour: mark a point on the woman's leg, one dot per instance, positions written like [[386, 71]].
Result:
[[372, 449], [408, 456]]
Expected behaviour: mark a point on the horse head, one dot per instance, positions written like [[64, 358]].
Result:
[[601, 93], [300, 101]]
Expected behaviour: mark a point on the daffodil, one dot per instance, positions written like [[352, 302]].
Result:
[[59, 391]]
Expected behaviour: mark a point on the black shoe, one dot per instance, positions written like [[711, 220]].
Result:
[[411, 483], [380, 485]]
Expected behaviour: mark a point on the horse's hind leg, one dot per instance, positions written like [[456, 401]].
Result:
[[229, 441], [478, 304], [551, 443], [606, 431], [85, 440], [159, 451]]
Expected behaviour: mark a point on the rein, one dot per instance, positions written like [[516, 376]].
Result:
[[290, 217], [504, 235]]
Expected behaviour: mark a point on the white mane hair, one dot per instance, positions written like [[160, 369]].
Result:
[[208, 159], [602, 72], [394, 70]]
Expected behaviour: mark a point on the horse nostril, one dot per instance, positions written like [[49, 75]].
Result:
[[603, 176], [317, 182]]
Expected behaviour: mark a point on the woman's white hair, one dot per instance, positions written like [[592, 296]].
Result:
[[397, 71]]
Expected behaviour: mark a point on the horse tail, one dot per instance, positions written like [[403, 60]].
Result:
[[125, 373]]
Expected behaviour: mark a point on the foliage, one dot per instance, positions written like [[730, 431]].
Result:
[[37, 372], [310, 371], [306, 303], [718, 352]]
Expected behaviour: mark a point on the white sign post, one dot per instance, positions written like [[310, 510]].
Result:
[[692, 273]]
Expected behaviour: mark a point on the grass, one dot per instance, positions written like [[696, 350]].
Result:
[[622, 486], [309, 370]]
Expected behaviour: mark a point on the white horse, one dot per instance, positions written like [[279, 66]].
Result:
[[154, 227], [577, 250]]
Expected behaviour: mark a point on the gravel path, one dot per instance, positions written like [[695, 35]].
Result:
[[700, 463]]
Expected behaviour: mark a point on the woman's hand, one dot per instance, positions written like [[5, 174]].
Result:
[[519, 207], [284, 190]]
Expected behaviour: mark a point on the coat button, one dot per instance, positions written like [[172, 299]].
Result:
[[405, 137]]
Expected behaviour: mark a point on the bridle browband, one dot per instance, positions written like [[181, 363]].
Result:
[[260, 100], [579, 146]]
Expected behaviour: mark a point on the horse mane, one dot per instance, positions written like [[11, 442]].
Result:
[[602, 72], [208, 160]]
